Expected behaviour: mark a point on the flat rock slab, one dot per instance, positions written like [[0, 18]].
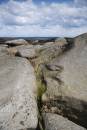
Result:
[[16, 42], [56, 122], [18, 108]]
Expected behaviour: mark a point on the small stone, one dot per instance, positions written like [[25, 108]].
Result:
[[44, 98]]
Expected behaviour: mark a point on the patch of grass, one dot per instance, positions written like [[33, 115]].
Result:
[[41, 89], [41, 86]]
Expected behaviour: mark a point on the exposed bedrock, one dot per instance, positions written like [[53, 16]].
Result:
[[18, 107], [43, 85], [65, 77]]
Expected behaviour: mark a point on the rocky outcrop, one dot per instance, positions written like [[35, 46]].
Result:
[[18, 107], [47, 52], [56, 122], [65, 80], [16, 42], [60, 86], [71, 72]]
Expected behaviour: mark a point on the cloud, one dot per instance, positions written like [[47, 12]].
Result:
[[81, 2], [54, 19]]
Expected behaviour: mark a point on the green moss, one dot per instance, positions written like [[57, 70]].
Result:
[[41, 89], [40, 83]]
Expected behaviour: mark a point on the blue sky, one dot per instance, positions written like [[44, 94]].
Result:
[[39, 1], [43, 17], [50, 1]]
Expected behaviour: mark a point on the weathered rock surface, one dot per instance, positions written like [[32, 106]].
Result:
[[3, 50], [18, 107], [72, 66], [47, 52], [61, 70], [12, 51], [16, 42], [56, 122], [71, 71], [61, 41], [27, 51], [66, 82]]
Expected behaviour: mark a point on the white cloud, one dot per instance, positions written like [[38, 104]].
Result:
[[81, 2], [29, 19]]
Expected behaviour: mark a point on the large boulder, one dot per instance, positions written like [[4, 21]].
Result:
[[71, 71], [16, 42], [27, 51], [18, 107], [73, 66], [56, 122], [75, 70], [66, 82]]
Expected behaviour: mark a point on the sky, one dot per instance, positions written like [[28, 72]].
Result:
[[43, 18]]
